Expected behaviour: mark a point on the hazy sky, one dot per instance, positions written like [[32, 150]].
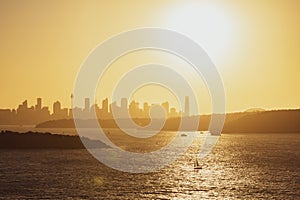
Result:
[[254, 44]]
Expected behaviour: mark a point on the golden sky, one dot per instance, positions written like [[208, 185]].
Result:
[[254, 44]]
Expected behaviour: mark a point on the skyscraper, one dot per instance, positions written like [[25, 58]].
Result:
[[56, 108], [165, 105], [105, 106], [124, 104], [124, 108], [146, 109], [87, 105], [38, 105], [72, 97], [187, 107], [134, 109]]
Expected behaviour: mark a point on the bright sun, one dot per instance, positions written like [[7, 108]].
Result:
[[207, 24]]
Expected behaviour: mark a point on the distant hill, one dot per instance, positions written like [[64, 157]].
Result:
[[34, 140], [255, 110], [278, 121]]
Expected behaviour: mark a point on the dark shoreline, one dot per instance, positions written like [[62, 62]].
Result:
[[37, 140], [277, 121]]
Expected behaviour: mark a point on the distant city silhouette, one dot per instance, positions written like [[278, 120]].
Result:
[[246, 122], [39, 113]]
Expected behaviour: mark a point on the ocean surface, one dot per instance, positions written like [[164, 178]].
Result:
[[241, 166]]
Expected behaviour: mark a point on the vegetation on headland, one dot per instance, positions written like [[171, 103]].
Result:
[[35, 140], [277, 121]]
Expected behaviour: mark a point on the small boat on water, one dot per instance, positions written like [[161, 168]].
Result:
[[196, 164]]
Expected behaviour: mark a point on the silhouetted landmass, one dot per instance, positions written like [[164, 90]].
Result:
[[255, 110], [34, 140], [171, 124], [280, 121]]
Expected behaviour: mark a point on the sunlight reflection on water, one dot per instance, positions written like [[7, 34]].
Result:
[[240, 167]]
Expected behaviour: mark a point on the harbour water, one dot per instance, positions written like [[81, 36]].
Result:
[[241, 166]]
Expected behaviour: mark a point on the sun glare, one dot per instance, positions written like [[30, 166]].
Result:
[[207, 24]]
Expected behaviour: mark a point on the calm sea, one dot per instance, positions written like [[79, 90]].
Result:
[[252, 166]]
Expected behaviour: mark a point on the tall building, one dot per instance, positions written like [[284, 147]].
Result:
[[38, 105], [25, 104], [72, 97], [87, 105], [95, 109], [187, 107], [105, 106], [56, 108], [134, 109], [124, 104], [166, 106], [115, 111], [22, 108], [112, 107], [146, 109], [124, 108], [173, 113]]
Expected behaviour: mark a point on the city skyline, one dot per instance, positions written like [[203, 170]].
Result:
[[34, 114], [171, 99], [255, 55]]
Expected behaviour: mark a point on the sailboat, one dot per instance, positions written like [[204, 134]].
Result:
[[196, 164]]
